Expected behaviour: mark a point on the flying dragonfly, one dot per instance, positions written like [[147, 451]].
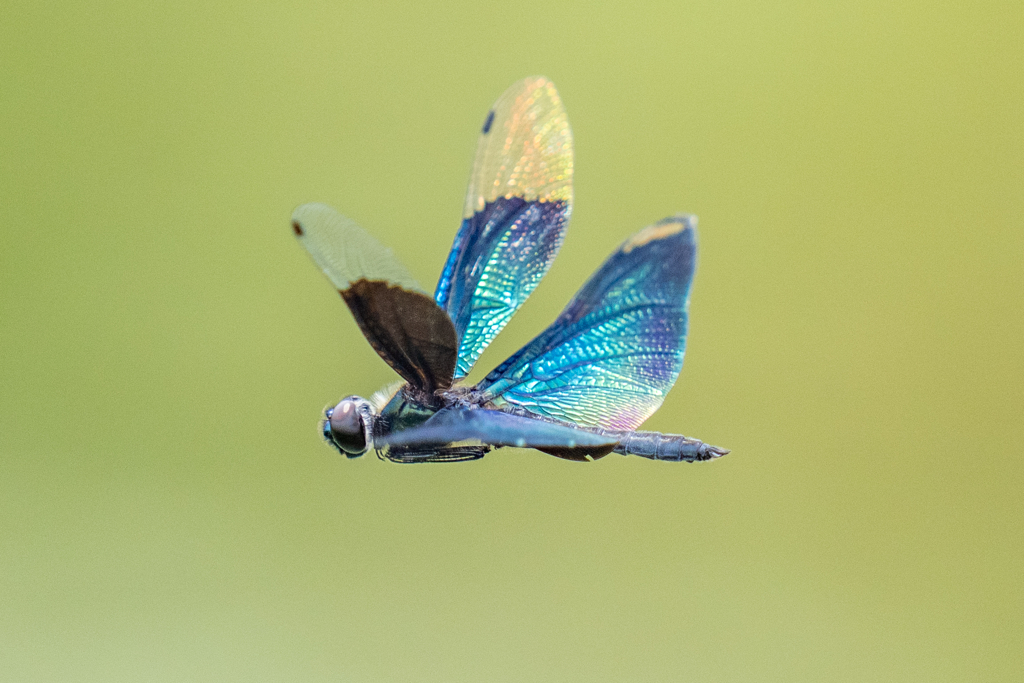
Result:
[[580, 389]]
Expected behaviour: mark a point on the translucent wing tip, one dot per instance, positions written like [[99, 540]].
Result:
[[344, 251], [308, 212], [525, 148], [531, 84], [310, 222], [535, 83]]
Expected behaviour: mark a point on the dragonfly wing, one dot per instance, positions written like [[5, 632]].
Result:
[[496, 428], [517, 209], [617, 348], [402, 323]]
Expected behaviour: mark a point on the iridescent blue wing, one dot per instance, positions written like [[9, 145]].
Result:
[[617, 348], [517, 209], [402, 323], [479, 426]]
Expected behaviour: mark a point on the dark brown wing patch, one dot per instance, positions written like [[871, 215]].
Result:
[[409, 331]]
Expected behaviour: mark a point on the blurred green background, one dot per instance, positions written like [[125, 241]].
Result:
[[168, 511]]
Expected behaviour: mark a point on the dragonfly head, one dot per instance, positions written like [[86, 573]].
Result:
[[347, 426]]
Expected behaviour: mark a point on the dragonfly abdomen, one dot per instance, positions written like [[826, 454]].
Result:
[[672, 447]]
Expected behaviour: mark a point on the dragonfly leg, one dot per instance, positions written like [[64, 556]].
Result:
[[442, 454]]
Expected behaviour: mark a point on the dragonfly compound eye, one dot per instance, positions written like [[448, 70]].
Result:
[[347, 428]]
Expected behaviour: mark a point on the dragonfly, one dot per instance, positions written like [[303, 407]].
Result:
[[581, 388]]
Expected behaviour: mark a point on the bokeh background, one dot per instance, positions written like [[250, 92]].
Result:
[[168, 511]]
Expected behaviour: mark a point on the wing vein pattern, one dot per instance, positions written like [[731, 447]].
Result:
[[615, 351], [516, 212]]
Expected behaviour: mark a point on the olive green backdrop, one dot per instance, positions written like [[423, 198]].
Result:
[[168, 511]]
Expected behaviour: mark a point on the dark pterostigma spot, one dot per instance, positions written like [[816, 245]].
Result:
[[408, 330], [489, 122], [297, 229]]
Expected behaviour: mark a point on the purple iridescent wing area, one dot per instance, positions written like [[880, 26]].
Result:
[[615, 351], [517, 209]]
